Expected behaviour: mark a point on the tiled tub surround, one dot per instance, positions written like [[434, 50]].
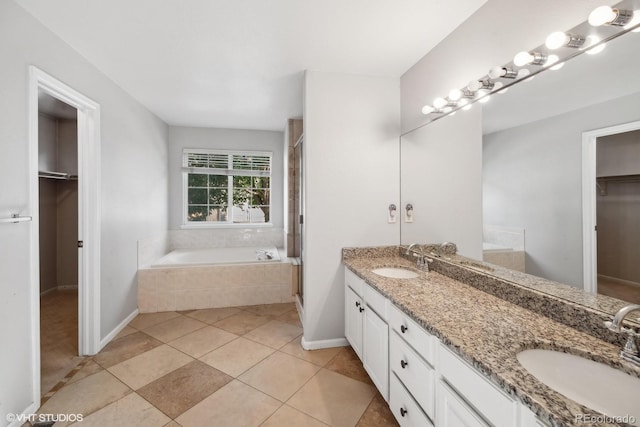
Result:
[[485, 330], [213, 286]]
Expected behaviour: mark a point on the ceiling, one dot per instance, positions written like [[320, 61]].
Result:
[[240, 63]]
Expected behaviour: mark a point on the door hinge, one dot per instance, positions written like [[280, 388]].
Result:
[[595, 228], [301, 219], [80, 244]]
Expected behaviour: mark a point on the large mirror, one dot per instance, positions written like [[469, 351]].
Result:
[[531, 213]]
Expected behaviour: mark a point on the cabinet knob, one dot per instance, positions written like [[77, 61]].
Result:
[[357, 303], [403, 411], [403, 329], [404, 364], [361, 309]]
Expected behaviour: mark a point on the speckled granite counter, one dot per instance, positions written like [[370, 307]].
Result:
[[487, 331]]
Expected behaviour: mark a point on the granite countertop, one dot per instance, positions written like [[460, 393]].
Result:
[[488, 332]]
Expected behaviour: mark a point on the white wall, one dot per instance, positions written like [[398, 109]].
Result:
[[134, 189], [224, 139], [443, 182], [351, 176], [532, 178]]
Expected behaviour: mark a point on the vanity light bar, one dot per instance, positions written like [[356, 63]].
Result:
[[481, 89]]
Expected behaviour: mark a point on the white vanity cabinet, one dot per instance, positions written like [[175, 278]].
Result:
[[366, 329], [425, 383]]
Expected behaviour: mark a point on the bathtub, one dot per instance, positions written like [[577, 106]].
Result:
[[212, 256], [192, 279]]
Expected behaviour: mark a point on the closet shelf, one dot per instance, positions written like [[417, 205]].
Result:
[[602, 181], [57, 175]]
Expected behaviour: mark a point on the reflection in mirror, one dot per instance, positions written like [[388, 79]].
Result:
[[533, 164], [534, 138]]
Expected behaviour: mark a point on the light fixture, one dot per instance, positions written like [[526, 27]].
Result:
[[502, 72], [593, 41], [634, 21], [447, 109], [455, 94], [606, 15], [524, 58], [559, 39], [439, 103], [427, 109], [523, 72], [476, 85]]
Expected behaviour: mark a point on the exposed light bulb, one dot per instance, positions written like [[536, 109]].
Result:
[[602, 15], [455, 94], [552, 59], [427, 109], [556, 40], [474, 85], [593, 40], [497, 72], [556, 67], [439, 103], [522, 58]]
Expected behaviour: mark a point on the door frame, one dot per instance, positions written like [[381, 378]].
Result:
[[589, 200], [88, 215]]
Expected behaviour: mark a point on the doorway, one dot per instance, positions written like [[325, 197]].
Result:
[[65, 239], [611, 204], [58, 230]]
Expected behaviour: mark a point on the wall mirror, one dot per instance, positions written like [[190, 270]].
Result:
[[530, 198]]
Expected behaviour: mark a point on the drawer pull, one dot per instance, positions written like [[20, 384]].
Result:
[[361, 309], [357, 303], [403, 412], [403, 329], [404, 364]]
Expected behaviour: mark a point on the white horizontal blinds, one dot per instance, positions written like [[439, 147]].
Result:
[[225, 163], [227, 186]]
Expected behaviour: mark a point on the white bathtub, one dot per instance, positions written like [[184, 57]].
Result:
[[213, 256]]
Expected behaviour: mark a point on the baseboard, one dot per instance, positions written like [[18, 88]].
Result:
[[48, 291], [111, 335], [317, 345], [67, 287], [26, 415], [616, 280]]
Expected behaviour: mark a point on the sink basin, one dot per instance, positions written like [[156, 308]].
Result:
[[592, 384], [395, 273]]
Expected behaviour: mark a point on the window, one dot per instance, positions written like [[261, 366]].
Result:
[[225, 187]]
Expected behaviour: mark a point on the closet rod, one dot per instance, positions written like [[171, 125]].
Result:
[[15, 218], [57, 175]]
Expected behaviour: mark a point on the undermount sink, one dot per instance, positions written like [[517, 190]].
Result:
[[395, 273], [592, 384]]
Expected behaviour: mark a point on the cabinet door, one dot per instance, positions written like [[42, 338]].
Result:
[[376, 350], [454, 411], [354, 313]]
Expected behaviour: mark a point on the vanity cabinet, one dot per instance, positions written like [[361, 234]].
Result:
[[424, 382], [367, 330]]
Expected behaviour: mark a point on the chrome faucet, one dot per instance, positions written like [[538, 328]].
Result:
[[445, 245], [630, 350], [421, 261]]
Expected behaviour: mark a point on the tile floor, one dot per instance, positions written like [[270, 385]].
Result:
[[58, 337], [240, 366]]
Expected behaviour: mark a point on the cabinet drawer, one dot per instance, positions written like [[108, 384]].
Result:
[[416, 374], [454, 411], [353, 281], [376, 301], [404, 407], [421, 341], [487, 399]]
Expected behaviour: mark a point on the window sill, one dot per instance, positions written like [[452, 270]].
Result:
[[207, 225]]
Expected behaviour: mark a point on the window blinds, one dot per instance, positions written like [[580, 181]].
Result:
[[227, 163]]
